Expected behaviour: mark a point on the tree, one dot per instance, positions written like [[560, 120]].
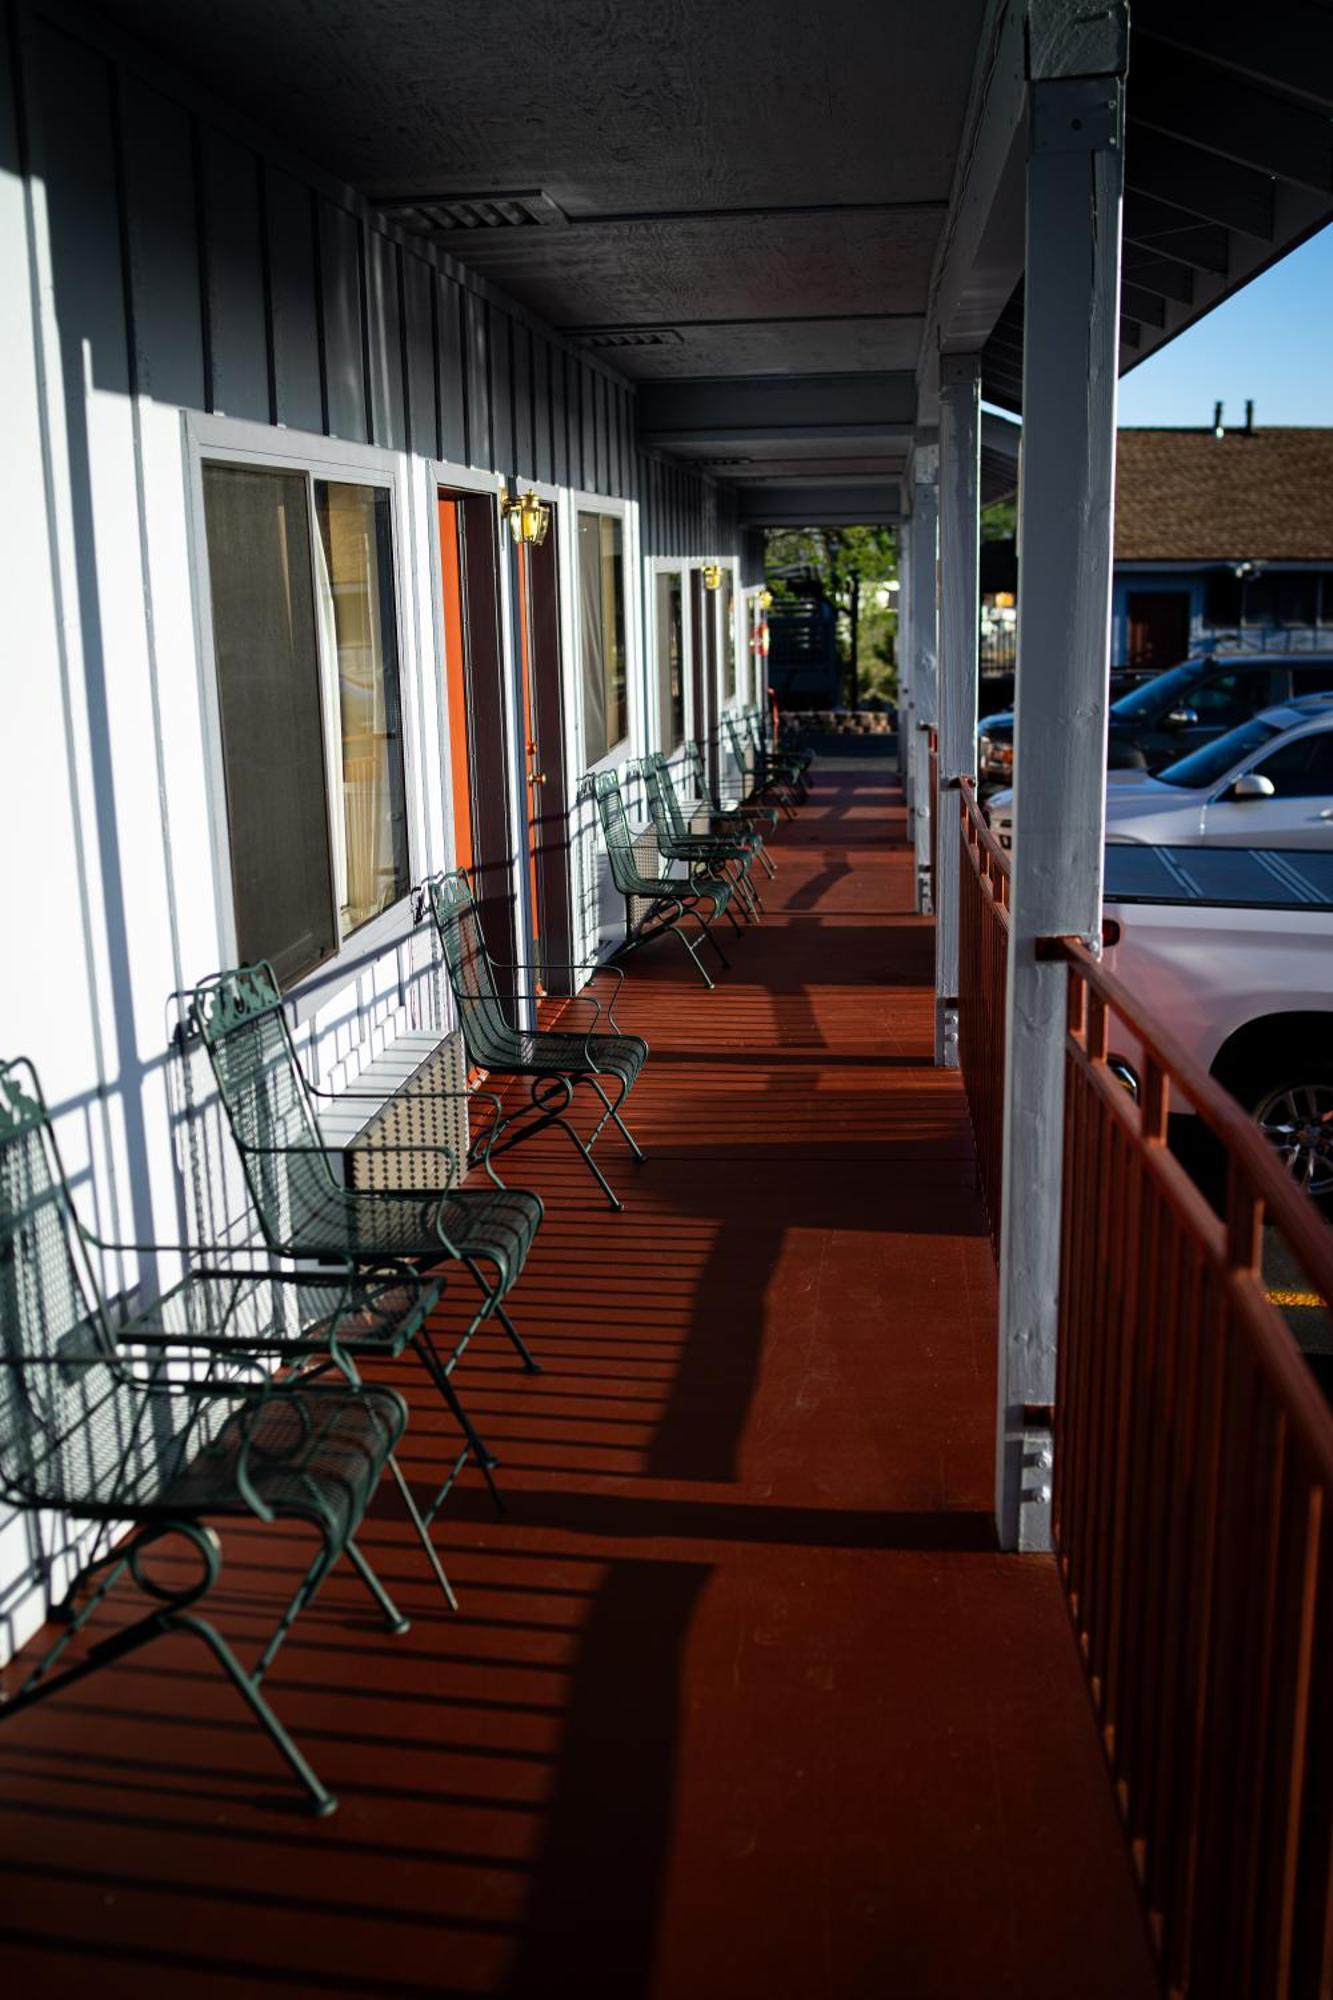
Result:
[[853, 566]]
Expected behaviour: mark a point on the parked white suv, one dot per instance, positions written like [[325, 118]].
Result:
[[1232, 951], [1267, 783]]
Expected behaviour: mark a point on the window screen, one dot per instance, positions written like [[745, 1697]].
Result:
[[264, 638], [602, 626], [670, 659], [363, 724], [728, 596]]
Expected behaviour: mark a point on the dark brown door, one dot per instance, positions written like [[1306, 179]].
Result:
[[474, 680], [1159, 627], [544, 759], [703, 678]]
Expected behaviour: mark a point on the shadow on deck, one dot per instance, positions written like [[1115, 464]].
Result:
[[741, 1699]]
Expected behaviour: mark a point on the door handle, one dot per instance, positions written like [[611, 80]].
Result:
[[1327, 813]]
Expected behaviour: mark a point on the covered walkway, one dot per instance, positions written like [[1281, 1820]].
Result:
[[741, 1700]]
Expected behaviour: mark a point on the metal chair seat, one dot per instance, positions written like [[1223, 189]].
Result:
[[548, 1051], [497, 1225], [313, 1452]]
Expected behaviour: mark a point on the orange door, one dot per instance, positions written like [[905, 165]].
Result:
[[534, 776], [455, 680]]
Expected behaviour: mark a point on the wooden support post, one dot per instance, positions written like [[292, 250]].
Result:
[[960, 536], [903, 655], [925, 627], [1074, 183]]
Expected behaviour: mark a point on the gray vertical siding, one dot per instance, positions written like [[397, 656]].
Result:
[[254, 289]]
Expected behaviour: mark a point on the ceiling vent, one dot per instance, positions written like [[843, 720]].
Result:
[[457, 214], [631, 336]]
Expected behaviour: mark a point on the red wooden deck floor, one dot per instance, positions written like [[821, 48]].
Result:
[[741, 1701]]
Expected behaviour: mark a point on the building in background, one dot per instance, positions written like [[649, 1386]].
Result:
[[1223, 540]]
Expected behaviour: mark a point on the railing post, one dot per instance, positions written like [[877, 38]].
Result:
[[925, 628], [960, 534], [1072, 301]]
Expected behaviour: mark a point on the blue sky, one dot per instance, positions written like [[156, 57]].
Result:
[[1272, 341]]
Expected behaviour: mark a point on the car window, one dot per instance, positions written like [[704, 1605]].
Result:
[[1311, 677], [1205, 766], [1303, 769], [1162, 691], [1227, 698]]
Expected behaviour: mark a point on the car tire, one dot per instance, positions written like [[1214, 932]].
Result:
[[1290, 1098]]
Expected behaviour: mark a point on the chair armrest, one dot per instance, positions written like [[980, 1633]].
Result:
[[570, 965]]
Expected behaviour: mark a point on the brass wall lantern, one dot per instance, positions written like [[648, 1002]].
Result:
[[529, 518]]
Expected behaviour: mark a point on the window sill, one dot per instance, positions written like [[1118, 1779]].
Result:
[[316, 989]]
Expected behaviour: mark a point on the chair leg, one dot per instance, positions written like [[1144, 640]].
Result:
[[707, 928], [321, 1798], [613, 1112], [693, 953], [533, 1367], [172, 1614], [393, 1617], [422, 1532], [484, 1456]]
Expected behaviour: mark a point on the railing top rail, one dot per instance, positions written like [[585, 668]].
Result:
[[1251, 1160]]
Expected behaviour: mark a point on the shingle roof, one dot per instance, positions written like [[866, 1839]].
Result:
[[1190, 496]]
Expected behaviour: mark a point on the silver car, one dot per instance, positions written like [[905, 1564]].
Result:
[[1266, 783]]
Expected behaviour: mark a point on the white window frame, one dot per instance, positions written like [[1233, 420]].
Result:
[[680, 566], [729, 565], [235, 441], [634, 742]]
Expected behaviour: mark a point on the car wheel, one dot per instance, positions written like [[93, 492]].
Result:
[[1296, 1117]]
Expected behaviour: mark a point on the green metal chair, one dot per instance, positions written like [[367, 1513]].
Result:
[[305, 1213], [83, 1434], [791, 762], [767, 782], [731, 854], [554, 1060], [723, 812], [664, 901]]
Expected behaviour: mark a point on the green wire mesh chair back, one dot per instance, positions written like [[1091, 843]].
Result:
[[663, 803], [487, 1035], [239, 1017], [72, 1426], [625, 870], [741, 748]]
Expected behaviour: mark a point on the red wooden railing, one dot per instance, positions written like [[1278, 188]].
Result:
[[983, 964], [1192, 1488], [1193, 1479]]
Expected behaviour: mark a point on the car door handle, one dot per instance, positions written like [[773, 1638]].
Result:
[[1327, 813]]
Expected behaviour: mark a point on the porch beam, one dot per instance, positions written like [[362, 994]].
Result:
[[864, 503], [1074, 191], [735, 410], [925, 649], [960, 539]]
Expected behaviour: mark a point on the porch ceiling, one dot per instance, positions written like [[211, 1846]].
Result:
[[766, 190]]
